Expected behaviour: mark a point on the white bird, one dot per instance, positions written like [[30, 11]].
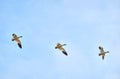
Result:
[[102, 52], [16, 38], [60, 47]]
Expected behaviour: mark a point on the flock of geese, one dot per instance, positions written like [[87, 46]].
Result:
[[58, 46]]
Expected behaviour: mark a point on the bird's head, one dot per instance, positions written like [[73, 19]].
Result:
[[13, 34], [100, 47], [56, 47]]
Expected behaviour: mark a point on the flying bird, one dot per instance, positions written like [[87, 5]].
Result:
[[102, 52], [16, 38], [60, 47]]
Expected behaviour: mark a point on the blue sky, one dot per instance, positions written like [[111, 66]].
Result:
[[81, 24]]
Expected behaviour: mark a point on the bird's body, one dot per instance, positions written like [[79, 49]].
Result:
[[60, 47], [102, 52], [16, 39]]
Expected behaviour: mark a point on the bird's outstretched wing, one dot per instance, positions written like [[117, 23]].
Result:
[[64, 52], [20, 36], [64, 44], [107, 52], [19, 44]]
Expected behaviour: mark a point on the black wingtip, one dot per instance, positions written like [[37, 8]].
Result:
[[65, 53], [12, 39], [19, 45]]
